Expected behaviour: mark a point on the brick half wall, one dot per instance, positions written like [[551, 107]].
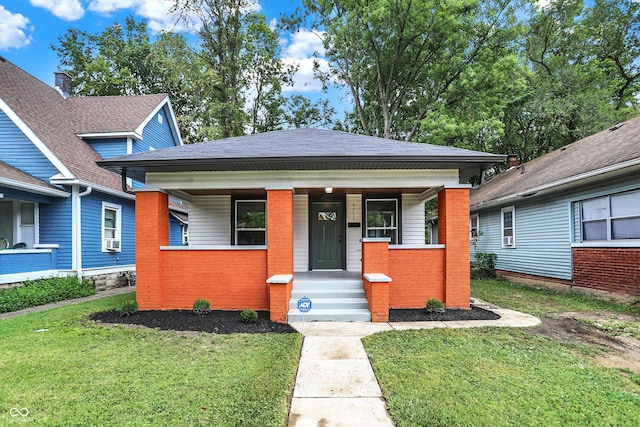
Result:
[[607, 269]]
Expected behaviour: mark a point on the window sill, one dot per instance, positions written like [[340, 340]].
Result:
[[608, 244]]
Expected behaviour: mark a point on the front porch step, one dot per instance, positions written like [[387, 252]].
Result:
[[334, 299]]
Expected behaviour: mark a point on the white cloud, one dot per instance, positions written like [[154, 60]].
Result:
[[69, 10], [299, 51], [12, 30], [157, 12]]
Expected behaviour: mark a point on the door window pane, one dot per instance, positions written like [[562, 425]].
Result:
[[27, 216]]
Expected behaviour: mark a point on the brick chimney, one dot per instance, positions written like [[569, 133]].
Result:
[[63, 83], [512, 161]]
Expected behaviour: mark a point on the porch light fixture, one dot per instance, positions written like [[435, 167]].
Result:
[[328, 190]]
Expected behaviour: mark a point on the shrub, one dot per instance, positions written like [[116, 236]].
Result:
[[484, 266], [249, 316], [201, 306], [434, 305], [44, 291], [128, 308]]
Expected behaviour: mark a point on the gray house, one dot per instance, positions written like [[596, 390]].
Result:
[[570, 218]]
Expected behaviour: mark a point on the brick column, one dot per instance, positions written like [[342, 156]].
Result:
[[453, 232], [279, 250], [375, 270], [152, 231]]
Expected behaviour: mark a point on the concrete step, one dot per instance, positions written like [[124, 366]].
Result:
[[326, 294], [331, 315], [329, 303], [299, 284]]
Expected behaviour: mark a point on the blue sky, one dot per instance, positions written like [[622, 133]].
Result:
[[29, 27]]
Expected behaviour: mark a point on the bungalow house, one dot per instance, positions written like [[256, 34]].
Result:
[[570, 218], [59, 211], [336, 217]]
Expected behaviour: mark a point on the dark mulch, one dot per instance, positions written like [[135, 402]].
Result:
[[219, 322], [421, 315]]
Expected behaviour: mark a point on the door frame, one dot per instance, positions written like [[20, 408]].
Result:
[[333, 198]]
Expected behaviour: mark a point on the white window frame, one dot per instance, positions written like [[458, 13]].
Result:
[[472, 218], [118, 229], [235, 219], [503, 238], [185, 234], [394, 228], [608, 218]]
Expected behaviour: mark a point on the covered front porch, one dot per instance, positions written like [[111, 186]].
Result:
[[266, 249]]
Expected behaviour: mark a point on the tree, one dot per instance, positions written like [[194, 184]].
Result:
[[401, 59]]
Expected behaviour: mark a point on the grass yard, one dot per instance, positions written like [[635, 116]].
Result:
[[496, 377], [504, 376], [67, 371]]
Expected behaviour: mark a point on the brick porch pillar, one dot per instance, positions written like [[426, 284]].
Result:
[[453, 232], [152, 231], [375, 279], [279, 251]]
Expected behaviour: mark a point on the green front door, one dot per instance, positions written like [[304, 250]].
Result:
[[327, 242]]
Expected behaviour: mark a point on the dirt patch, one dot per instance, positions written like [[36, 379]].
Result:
[[620, 352], [218, 322], [421, 315]]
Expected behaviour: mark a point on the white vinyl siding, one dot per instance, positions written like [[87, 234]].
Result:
[[413, 221], [353, 214], [301, 232], [210, 220]]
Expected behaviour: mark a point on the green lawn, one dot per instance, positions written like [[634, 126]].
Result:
[[503, 376], [67, 371]]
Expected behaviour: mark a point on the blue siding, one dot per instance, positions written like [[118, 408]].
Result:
[[18, 151], [92, 255], [110, 147], [175, 232], [55, 228], [155, 134], [545, 229], [16, 261]]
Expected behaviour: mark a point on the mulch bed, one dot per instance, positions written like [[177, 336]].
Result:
[[219, 322], [228, 322], [450, 314]]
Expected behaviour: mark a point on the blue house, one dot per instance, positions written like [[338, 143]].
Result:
[[568, 219], [59, 211]]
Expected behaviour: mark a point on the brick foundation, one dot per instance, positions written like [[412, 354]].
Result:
[[607, 269]]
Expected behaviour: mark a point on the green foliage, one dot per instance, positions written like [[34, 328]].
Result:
[[249, 316], [484, 265], [43, 291], [496, 377], [201, 306], [434, 305], [128, 308]]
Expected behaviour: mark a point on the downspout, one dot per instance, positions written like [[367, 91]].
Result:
[[123, 177], [76, 228]]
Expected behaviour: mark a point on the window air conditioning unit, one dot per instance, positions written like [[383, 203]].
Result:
[[507, 241], [112, 245]]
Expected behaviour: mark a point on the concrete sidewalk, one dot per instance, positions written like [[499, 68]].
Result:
[[100, 294], [335, 385]]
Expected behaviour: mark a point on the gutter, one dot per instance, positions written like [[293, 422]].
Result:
[[100, 188], [76, 227], [32, 188]]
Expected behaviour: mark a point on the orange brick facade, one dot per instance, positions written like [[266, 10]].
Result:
[[236, 279]]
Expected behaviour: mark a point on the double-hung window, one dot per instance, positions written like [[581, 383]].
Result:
[[474, 226], [508, 227], [251, 222], [382, 218], [613, 217], [111, 227]]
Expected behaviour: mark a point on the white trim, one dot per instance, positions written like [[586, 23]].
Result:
[[376, 240], [55, 161], [100, 188], [129, 145], [377, 278], [25, 251], [214, 248], [95, 271], [435, 246], [46, 246], [118, 227], [31, 188], [280, 279], [631, 243], [107, 135], [31, 275]]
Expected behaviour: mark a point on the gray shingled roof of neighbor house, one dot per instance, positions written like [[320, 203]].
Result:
[[13, 177], [615, 148], [56, 121], [305, 149]]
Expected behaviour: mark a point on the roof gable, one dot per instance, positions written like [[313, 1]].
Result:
[[612, 149]]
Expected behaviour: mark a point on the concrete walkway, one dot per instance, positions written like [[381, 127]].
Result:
[[100, 294], [335, 385]]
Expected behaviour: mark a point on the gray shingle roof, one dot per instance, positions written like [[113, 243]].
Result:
[[8, 172], [56, 121], [608, 149], [306, 149]]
